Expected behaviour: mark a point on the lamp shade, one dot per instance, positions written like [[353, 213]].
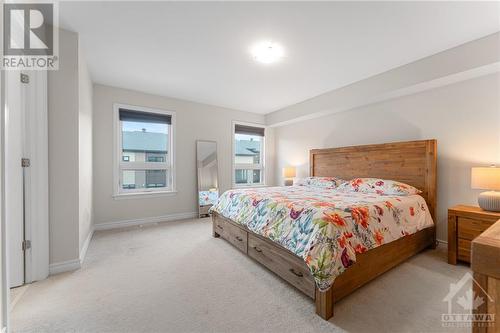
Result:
[[289, 172], [485, 178]]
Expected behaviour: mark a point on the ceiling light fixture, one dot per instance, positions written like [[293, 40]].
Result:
[[267, 52]]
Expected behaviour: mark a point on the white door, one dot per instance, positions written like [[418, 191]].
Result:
[[14, 207]]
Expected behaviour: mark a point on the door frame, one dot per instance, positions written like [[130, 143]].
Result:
[[34, 136], [4, 283], [36, 184]]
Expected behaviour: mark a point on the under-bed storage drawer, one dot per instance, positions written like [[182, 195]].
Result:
[[279, 261], [236, 236]]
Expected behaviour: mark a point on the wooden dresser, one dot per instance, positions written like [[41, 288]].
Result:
[[464, 224]]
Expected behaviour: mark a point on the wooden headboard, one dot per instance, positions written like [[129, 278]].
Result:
[[412, 162]]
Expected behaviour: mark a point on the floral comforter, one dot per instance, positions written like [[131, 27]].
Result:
[[325, 227]]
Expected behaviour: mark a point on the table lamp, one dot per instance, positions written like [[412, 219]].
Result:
[[485, 178], [289, 174]]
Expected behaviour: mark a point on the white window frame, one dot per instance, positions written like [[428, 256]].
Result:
[[119, 165], [261, 166]]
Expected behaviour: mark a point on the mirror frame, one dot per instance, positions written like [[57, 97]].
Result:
[[198, 173]]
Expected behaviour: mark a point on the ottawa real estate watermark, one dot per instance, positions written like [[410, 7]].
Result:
[[464, 299]]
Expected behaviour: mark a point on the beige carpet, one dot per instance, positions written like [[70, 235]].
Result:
[[174, 277]]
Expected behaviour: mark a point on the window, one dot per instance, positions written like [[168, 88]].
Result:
[[144, 150], [248, 159]]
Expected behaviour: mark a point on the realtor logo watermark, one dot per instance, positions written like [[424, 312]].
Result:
[[463, 301], [30, 36]]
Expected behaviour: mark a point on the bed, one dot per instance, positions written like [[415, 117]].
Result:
[[283, 228]]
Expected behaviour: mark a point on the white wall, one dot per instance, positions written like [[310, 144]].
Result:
[[63, 151], [85, 90], [194, 121], [463, 117], [70, 154]]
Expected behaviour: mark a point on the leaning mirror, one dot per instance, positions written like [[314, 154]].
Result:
[[208, 184]]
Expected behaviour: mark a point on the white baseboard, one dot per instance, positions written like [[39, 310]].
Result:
[[442, 241], [64, 266], [74, 264], [85, 247], [146, 220]]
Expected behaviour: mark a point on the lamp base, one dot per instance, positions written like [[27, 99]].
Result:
[[489, 201], [288, 182]]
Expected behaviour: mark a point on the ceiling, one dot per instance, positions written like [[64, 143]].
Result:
[[200, 51]]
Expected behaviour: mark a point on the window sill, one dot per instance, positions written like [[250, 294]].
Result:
[[140, 195]]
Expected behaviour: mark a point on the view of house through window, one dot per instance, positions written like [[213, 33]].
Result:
[[248, 155], [145, 163]]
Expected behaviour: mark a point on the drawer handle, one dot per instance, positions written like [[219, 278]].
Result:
[[257, 249], [239, 238], [298, 274], [220, 227]]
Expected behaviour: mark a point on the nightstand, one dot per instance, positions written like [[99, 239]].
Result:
[[464, 224]]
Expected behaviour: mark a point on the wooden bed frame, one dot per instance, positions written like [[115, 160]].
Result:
[[412, 162]]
